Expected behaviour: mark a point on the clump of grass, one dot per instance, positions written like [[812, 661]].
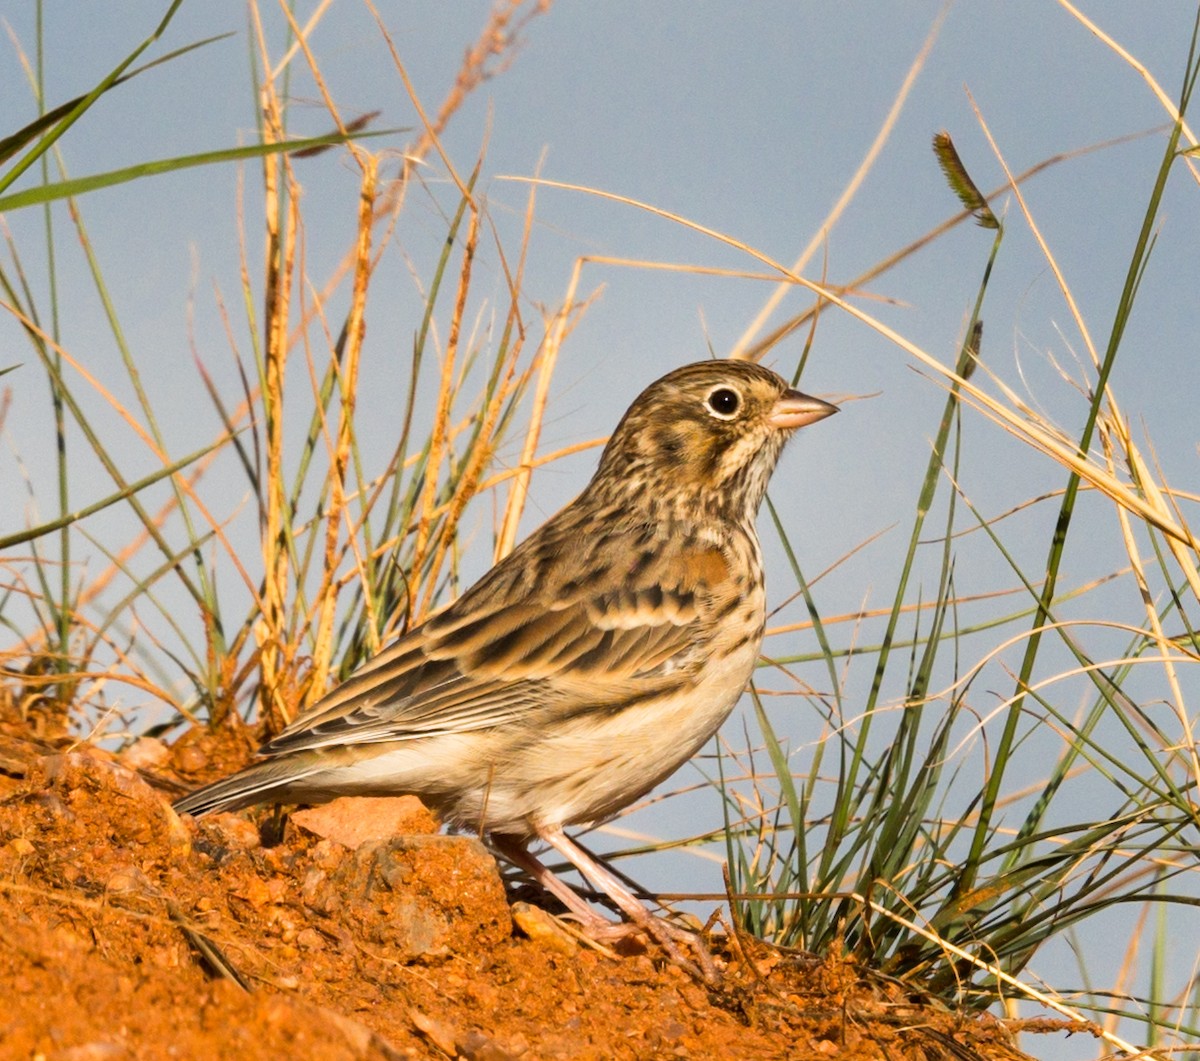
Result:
[[951, 870], [355, 541]]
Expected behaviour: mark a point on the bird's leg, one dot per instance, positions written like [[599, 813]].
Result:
[[667, 935], [516, 853]]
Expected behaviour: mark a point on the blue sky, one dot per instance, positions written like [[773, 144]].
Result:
[[749, 119]]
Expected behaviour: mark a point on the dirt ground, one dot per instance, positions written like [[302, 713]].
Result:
[[126, 932]]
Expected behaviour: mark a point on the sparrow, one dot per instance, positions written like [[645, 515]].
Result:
[[587, 665]]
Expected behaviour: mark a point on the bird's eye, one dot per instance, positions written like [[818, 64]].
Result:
[[724, 401]]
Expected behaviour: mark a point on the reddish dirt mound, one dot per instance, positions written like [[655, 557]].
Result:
[[128, 933]]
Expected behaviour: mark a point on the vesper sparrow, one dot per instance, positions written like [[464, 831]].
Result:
[[587, 665]]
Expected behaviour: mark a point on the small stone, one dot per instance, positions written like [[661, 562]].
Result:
[[673, 1030], [98, 1051], [189, 759], [279, 919], [437, 1032], [20, 847], [255, 892], [543, 928], [327, 855], [318, 894], [77, 775], [362, 1041], [518, 1045], [146, 753], [482, 994], [309, 939], [128, 879], [231, 831], [311, 887], [642, 970], [475, 1046]]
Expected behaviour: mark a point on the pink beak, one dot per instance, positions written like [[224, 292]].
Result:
[[795, 410]]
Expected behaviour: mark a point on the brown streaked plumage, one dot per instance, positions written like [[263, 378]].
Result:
[[586, 666]]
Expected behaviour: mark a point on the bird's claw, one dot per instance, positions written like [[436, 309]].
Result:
[[673, 939]]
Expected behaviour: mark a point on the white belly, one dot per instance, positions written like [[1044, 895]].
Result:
[[600, 764]]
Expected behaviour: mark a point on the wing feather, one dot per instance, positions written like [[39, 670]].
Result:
[[509, 653]]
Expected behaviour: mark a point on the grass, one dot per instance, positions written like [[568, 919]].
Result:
[[351, 548], [952, 872], [914, 834]]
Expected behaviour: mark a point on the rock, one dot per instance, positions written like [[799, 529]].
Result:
[[424, 896], [356, 820], [145, 816]]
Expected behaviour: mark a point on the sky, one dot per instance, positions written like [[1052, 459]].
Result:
[[750, 120]]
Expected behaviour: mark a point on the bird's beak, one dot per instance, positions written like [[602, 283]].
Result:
[[795, 410]]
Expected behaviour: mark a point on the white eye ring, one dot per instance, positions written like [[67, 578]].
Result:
[[724, 402]]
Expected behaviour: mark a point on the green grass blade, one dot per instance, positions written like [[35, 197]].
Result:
[[76, 112], [11, 144], [81, 185], [126, 492], [1067, 507]]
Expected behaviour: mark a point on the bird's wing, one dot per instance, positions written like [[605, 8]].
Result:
[[505, 652]]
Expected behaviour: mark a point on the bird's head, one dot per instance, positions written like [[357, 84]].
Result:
[[708, 435]]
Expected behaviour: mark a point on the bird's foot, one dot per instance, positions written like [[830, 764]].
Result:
[[675, 940], [672, 938]]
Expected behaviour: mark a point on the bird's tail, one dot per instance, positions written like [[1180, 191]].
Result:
[[272, 780]]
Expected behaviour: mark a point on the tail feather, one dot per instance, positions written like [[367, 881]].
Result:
[[261, 783]]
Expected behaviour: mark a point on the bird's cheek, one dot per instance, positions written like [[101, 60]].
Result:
[[671, 446], [738, 456]]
